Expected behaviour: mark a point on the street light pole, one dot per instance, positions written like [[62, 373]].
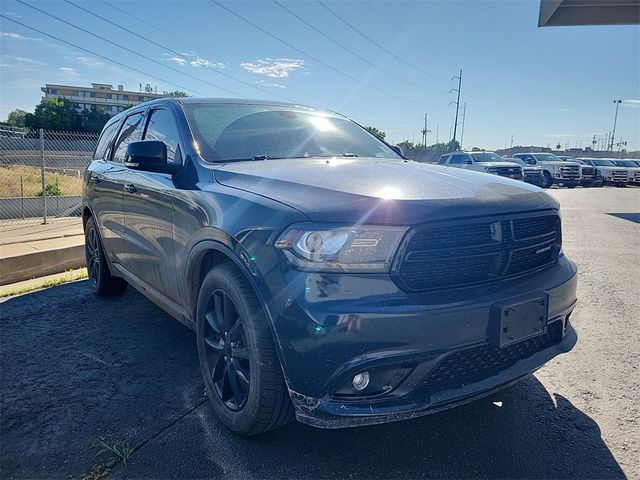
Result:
[[615, 120]]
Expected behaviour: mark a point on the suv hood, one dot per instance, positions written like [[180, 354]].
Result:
[[560, 164], [499, 164], [381, 190]]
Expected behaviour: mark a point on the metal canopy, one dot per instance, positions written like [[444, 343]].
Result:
[[589, 12]]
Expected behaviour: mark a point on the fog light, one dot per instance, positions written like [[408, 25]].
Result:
[[361, 381]]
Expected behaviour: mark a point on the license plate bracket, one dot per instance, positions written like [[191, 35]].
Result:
[[520, 320]]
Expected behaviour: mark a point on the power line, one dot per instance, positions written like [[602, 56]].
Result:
[[308, 55], [381, 47], [355, 54], [402, 28], [164, 47], [130, 50], [100, 56]]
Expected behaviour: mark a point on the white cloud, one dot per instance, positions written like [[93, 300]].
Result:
[[195, 61], [69, 71], [90, 62], [271, 84], [24, 60], [273, 67], [17, 36]]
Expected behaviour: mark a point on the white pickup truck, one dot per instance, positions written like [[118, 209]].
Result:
[[554, 169], [482, 163]]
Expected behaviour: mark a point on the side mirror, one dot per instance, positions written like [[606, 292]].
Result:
[[149, 156], [398, 150]]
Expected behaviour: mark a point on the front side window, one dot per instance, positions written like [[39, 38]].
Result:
[[106, 139], [162, 126], [232, 132], [548, 157], [131, 131], [458, 159], [527, 158], [443, 159]]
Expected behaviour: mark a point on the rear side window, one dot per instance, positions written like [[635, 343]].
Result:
[[106, 139], [457, 159], [162, 127], [443, 159], [131, 131]]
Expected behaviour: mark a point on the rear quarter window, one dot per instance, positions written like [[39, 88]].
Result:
[[105, 142]]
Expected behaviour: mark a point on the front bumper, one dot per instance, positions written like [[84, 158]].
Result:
[[330, 327], [591, 181]]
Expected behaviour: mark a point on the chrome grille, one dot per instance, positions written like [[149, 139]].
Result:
[[571, 171], [446, 256]]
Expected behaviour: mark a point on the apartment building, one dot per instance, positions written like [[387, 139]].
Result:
[[100, 94]]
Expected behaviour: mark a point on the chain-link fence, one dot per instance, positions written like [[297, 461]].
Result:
[[41, 174]]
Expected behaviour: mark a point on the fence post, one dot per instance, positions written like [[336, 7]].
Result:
[[22, 196], [44, 185]]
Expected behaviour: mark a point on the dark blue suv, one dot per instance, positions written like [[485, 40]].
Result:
[[327, 277]]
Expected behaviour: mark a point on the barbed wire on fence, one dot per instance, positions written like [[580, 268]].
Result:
[[41, 173]]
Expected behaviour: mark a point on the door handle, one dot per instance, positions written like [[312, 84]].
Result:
[[129, 187]]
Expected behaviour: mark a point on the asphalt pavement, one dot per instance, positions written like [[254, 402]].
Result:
[[78, 373]]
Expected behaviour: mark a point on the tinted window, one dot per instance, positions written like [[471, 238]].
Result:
[[487, 157], [527, 158], [242, 132], [443, 159], [131, 132], [162, 127], [603, 163], [458, 159], [106, 139]]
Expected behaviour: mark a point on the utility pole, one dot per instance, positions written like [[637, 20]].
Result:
[[464, 115], [615, 119], [425, 131], [437, 131], [593, 142], [606, 141], [457, 102]]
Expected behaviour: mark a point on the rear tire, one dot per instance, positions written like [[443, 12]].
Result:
[[102, 282], [238, 358]]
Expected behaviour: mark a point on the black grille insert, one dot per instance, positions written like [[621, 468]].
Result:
[[445, 256], [471, 365]]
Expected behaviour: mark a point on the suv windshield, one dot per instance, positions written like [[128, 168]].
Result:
[[233, 132], [547, 157], [603, 163], [487, 157]]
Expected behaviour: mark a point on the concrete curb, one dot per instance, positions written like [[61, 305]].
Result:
[[37, 264]]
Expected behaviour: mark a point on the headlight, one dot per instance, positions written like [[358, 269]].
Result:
[[364, 248]]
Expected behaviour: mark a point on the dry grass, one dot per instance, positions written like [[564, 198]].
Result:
[[38, 284], [10, 175]]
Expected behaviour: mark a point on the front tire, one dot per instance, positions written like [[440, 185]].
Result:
[[102, 282], [547, 181], [238, 359]]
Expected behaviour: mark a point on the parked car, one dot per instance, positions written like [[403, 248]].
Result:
[[327, 278], [610, 173], [487, 162], [632, 167], [589, 175], [531, 173], [554, 170]]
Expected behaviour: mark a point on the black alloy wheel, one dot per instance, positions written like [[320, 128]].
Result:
[[227, 351], [102, 282]]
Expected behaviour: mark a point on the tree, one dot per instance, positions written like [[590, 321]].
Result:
[[17, 118], [378, 133], [175, 93], [54, 114], [93, 120]]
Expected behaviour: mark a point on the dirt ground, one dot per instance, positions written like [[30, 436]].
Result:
[[78, 373]]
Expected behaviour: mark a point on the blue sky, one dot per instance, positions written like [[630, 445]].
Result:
[[541, 85]]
